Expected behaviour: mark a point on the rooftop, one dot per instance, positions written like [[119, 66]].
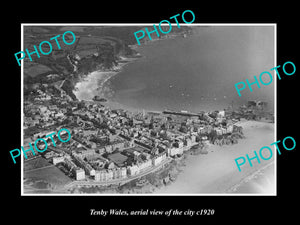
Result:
[[118, 158]]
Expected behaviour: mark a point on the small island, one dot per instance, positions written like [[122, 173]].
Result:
[[99, 99]]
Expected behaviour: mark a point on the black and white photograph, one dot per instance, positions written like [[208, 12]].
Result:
[[159, 116], [149, 113]]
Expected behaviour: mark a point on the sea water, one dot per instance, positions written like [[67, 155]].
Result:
[[197, 72]]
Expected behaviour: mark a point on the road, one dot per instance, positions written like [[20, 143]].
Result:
[[119, 181]]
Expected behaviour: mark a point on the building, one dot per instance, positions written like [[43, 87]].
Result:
[[116, 173], [221, 114], [27, 145], [224, 130], [89, 169], [42, 109], [100, 150], [178, 143], [218, 131], [188, 142], [49, 154], [175, 151], [97, 175], [144, 165], [70, 164], [82, 164], [105, 175], [123, 172], [86, 153], [133, 170], [229, 129], [158, 159], [79, 174], [109, 175], [56, 160]]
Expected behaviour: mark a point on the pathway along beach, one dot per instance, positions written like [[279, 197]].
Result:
[[217, 173]]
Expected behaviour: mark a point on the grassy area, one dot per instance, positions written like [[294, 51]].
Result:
[[35, 69], [47, 177], [108, 42], [74, 29], [35, 163], [86, 52]]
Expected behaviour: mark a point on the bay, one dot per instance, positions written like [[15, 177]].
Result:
[[197, 72]]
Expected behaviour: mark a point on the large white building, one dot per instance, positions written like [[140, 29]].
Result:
[[133, 170], [158, 159], [97, 175], [56, 160], [79, 174], [144, 165], [123, 172], [105, 175], [174, 151]]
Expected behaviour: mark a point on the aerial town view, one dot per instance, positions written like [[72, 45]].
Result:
[[159, 118]]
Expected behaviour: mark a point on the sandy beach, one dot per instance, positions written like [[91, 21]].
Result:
[[95, 82], [91, 85], [216, 172]]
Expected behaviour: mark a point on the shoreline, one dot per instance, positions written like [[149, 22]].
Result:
[[212, 173], [86, 87], [216, 172], [103, 76], [257, 174], [200, 174]]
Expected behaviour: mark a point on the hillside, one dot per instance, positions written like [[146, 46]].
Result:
[[95, 48]]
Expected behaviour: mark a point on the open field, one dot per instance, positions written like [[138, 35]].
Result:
[[34, 69], [45, 179], [35, 163]]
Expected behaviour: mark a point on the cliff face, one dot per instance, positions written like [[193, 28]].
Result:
[[68, 87], [104, 57]]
